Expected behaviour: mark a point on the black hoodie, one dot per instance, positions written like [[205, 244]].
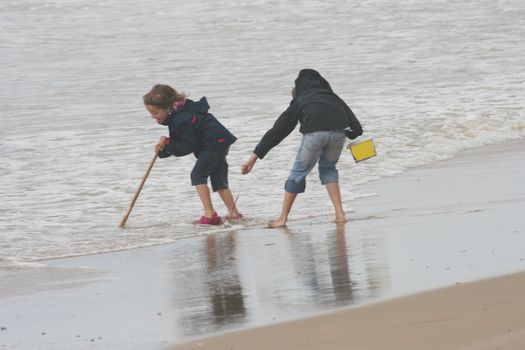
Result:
[[316, 107]]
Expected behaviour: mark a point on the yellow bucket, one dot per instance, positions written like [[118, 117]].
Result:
[[362, 149]]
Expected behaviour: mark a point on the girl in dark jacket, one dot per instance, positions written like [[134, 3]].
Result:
[[326, 121], [193, 130]]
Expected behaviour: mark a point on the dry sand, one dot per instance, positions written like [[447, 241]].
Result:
[[488, 314]]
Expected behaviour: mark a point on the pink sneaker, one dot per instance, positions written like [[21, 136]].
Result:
[[214, 220], [236, 217]]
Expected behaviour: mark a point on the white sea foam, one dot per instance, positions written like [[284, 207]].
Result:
[[427, 80], [16, 262]]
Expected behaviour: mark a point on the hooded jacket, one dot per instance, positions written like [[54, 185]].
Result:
[[316, 107], [192, 128]]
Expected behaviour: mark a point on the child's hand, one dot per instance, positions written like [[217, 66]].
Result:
[[160, 145], [248, 165]]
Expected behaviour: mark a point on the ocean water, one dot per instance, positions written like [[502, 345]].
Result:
[[427, 79]]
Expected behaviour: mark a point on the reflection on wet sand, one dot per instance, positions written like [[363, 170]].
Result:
[[319, 256], [325, 276], [208, 294], [339, 271], [223, 280], [251, 278]]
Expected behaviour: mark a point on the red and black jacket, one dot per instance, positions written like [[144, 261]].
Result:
[[192, 128]]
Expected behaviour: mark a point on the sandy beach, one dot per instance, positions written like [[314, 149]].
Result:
[[430, 259], [432, 255], [482, 315]]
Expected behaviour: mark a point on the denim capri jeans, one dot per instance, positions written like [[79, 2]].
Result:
[[323, 147], [211, 163]]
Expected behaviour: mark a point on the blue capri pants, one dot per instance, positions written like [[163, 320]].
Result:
[[322, 147]]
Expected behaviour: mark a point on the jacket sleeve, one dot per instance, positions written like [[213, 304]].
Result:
[[353, 123], [164, 153], [283, 126], [183, 141], [179, 148]]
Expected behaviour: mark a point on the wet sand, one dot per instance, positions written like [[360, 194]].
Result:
[[438, 226]]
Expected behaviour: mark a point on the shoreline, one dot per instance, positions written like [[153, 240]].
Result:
[[13, 262], [431, 227], [324, 331]]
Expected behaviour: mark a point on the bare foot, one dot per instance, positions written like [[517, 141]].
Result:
[[277, 223]]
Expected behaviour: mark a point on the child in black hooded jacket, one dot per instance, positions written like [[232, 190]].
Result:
[[326, 120]]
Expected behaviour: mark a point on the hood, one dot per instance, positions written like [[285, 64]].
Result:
[[310, 79], [200, 106]]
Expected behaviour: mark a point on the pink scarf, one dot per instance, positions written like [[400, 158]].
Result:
[[178, 105]]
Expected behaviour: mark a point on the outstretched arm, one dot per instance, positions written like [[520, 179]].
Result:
[[247, 166], [283, 126]]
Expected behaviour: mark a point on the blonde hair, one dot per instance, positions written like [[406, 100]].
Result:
[[162, 96]]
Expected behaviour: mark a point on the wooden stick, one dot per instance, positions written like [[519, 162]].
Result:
[[125, 218], [230, 216]]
